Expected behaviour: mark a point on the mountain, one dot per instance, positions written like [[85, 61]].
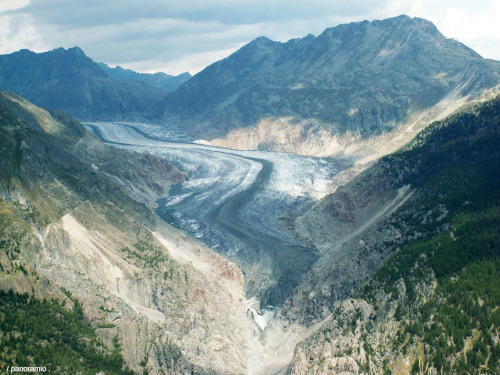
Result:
[[320, 95], [69, 81], [407, 275], [159, 80], [409, 272], [91, 279]]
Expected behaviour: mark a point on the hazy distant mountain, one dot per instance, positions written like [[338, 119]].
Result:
[[68, 80], [362, 78], [165, 82]]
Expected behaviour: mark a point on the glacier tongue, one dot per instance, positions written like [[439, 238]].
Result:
[[235, 201]]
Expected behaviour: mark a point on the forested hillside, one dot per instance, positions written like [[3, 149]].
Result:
[[434, 303]]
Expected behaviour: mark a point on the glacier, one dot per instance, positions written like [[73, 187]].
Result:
[[237, 202]]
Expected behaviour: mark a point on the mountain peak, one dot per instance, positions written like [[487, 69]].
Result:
[[262, 38], [72, 50], [76, 51], [68, 80], [421, 23], [400, 23], [361, 78], [263, 41], [160, 80], [25, 51]]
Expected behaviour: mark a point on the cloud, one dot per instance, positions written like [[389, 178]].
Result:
[[229, 12], [130, 33], [18, 31], [193, 62], [479, 30], [7, 5], [151, 35]]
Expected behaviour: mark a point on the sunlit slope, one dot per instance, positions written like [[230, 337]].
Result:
[[76, 229]]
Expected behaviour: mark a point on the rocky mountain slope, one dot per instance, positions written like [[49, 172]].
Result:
[[328, 94], [160, 80], [75, 230], [69, 81], [409, 273]]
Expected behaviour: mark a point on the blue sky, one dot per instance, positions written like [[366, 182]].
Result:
[[179, 36]]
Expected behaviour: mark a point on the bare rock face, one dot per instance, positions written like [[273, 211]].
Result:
[[346, 228], [72, 224], [157, 288], [363, 337]]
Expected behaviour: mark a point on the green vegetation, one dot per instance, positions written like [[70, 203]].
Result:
[[450, 234], [43, 333], [151, 253], [475, 237], [44, 176], [152, 256], [465, 304]]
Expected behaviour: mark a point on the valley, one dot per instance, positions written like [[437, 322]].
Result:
[[325, 205], [226, 198], [320, 262]]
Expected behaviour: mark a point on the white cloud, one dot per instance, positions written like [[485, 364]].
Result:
[[412, 8], [19, 31], [6, 5], [151, 35], [478, 30], [192, 63]]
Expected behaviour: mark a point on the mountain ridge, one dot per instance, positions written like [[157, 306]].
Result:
[[163, 81], [68, 80], [408, 269], [356, 81]]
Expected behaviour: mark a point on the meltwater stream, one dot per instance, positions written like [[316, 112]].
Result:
[[236, 202]]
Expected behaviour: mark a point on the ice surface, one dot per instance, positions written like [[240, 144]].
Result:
[[232, 200]]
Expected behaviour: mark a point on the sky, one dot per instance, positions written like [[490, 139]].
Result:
[[188, 35]]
